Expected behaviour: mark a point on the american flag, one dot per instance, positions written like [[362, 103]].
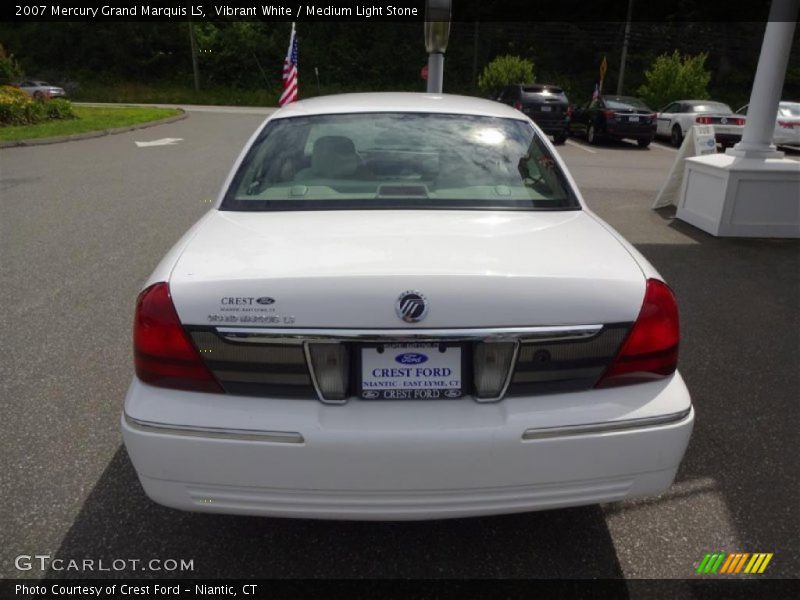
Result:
[[290, 72]]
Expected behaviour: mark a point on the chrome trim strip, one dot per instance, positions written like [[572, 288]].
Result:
[[258, 335], [305, 337], [249, 435], [606, 427]]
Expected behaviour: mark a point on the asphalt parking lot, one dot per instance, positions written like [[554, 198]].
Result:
[[82, 224]]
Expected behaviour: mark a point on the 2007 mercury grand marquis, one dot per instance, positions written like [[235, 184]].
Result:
[[401, 308]]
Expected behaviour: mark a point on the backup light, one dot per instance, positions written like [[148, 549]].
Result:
[[493, 361], [329, 370]]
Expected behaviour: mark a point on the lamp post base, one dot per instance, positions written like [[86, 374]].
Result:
[[730, 196]]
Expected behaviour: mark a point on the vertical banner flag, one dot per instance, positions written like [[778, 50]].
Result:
[[603, 69], [290, 72]]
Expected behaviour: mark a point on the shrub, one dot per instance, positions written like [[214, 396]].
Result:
[[503, 71], [672, 77], [58, 108], [17, 108]]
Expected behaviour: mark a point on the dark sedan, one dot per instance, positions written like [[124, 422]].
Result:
[[545, 104], [614, 117]]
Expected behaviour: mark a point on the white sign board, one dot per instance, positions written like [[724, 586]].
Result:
[[699, 140], [704, 140]]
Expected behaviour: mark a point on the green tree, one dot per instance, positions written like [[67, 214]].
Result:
[[503, 71], [10, 70], [672, 77]]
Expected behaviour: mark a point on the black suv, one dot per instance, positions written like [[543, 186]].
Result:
[[546, 104]]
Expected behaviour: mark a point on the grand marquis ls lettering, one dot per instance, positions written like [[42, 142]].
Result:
[[529, 364]]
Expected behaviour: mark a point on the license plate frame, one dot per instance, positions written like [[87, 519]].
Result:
[[366, 357]]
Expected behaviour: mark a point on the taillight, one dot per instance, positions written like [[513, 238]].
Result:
[[703, 120], [518, 105], [651, 349], [652, 117], [163, 354], [740, 121], [786, 124], [609, 114], [569, 112]]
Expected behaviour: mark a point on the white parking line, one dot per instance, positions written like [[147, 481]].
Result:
[[667, 148], [581, 146]]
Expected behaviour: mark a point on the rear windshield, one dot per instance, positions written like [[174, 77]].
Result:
[[625, 102], [710, 107], [542, 89], [398, 160]]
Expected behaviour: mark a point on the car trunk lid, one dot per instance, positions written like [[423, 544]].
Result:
[[347, 269]]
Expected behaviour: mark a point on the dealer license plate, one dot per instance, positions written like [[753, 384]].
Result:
[[546, 108], [633, 119], [411, 371]]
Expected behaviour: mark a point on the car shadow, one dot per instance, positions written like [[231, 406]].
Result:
[[739, 355], [118, 521]]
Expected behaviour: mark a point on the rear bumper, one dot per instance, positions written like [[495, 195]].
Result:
[[728, 138], [405, 460], [787, 137], [627, 131]]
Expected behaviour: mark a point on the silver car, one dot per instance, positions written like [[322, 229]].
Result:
[[41, 89]]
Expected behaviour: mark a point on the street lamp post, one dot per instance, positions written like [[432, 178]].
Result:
[[437, 32]]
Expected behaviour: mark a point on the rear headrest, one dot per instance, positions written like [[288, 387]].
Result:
[[334, 156]]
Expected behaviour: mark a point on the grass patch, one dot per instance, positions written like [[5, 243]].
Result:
[[89, 118]]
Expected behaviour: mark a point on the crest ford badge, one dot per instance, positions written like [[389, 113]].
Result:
[[411, 306]]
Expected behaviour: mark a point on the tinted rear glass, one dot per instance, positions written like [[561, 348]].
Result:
[[625, 102], [398, 160], [542, 89]]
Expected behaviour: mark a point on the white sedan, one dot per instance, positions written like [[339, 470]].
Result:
[[677, 118], [402, 308], [787, 123]]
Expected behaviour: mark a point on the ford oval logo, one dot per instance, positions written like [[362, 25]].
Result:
[[265, 300], [411, 358]]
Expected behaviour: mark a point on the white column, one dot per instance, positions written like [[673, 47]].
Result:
[[768, 84], [752, 190], [435, 73]]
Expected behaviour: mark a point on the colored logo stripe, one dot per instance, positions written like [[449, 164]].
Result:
[[733, 563]]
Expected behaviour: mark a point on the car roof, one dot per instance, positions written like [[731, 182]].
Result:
[[702, 102], [398, 102], [542, 86], [623, 98]]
